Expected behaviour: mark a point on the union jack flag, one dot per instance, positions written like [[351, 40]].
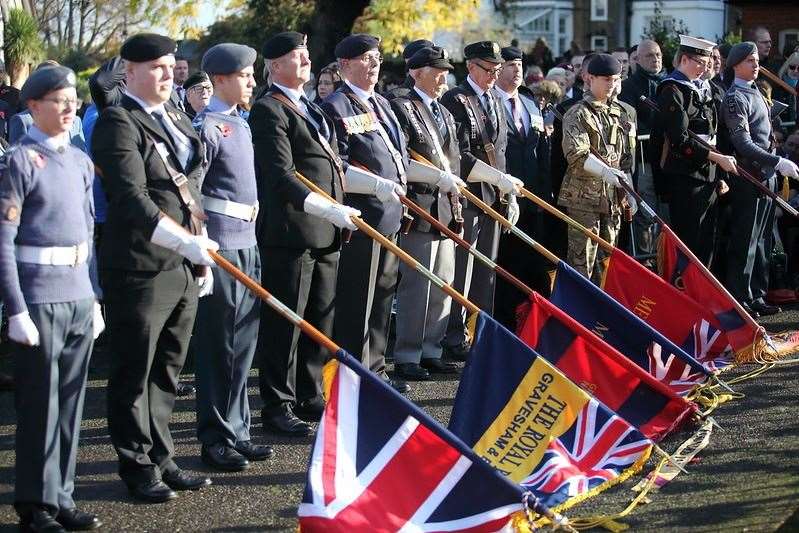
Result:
[[672, 371], [596, 449], [709, 345], [380, 464]]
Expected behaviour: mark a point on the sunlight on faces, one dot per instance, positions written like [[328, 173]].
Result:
[[199, 96], [292, 70], [748, 69], [430, 80], [649, 57], [151, 80], [510, 77], [694, 66], [55, 112], [363, 70], [235, 88], [602, 86], [483, 73]]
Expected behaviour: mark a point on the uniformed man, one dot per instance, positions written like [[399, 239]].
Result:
[[151, 261], [422, 309], [747, 117], [482, 135], [410, 49], [298, 234], [225, 347], [685, 101], [589, 187], [46, 229], [371, 141], [199, 91]]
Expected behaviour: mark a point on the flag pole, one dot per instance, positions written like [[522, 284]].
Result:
[[669, 458], [396, 250], [776, 79], [460, 241]]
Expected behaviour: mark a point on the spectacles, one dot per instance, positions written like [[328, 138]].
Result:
[[793, 67], [63, 102], [704, 64], [493, 71], [202, 89], [368, 58]]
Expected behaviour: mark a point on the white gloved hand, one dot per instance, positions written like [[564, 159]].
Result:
[[598, 168], [172, 235], [513, 210], [387, 191], [788, 168], [632, 203], [448, 182], [21, 329], [206, 283], [337, 214], [507, 184], [98, 324]]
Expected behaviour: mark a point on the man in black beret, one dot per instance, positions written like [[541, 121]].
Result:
[[199, 91], [299, 235], [153, 263], [410, 49], [483, 135]]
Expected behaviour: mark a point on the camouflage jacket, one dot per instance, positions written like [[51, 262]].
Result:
[[610, 129]]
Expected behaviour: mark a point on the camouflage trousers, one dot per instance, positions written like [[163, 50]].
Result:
[[585, 255]]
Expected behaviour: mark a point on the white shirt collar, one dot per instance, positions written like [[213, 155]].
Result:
[[505, 96], [293, 94], [149, 109], [424, 96], [54, 143], [218, 106], [480, 92], [360, 93]]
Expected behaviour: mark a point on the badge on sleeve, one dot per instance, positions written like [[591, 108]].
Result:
[[36, 158]]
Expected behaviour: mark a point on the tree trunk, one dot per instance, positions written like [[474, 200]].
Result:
[[331, 22]]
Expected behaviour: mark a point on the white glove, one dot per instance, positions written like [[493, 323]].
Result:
[[448, 182], [172, 235], [788, 168], [513, 210], [509, 185], [632, 203], [21, 329], [482, 172], [609, 175], [337, 214], [98, 324], [206, 283], [388, 191]]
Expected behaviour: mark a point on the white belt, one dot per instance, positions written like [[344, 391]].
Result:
[[53, 255], [710, 139], [231, 209]]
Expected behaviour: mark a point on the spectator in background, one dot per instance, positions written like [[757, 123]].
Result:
[[8, 93], [762, 39], [180, 75], [542, 55], [576, 65], [199, 91], [534, 75], [789, 73], [624, 58], [632, 53], [791, 147], [558, 75], [328, 81]]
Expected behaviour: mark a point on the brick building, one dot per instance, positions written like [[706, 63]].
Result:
[[781, 18]]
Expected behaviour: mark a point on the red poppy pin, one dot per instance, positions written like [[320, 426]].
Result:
[[36, 158], [225, 129]]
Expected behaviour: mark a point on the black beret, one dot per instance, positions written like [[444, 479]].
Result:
[[46, 80], [147, 47], [196, 79], [739, 52], [431, 56], [512, 53], [604, 65], [283, 43], [355, 45], [724, 49], [227, 58], [486, 50], [414, 46]]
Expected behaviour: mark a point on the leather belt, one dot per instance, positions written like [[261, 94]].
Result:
[[53, 255], [232, 209]]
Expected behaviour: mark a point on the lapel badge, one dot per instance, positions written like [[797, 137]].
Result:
[[225, 129], [36, 158]]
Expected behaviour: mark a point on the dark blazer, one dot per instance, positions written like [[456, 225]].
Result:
[[418, 137], [284, 141], [138, 185], [557, 161], [471, 142], [367, 149]]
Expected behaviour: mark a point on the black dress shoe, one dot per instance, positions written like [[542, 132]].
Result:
[[223, 457], [437, 366], [181, 480], [184, 389], [411, 372], [764, 309], [398, 385], [40, 520], [254, 452], [748, 308], [286, 423], [457, 353], [76, 520], [310, 410], [152, 492]]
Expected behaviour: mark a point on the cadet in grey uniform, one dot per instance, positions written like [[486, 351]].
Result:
[[46, 230], [746, 115], [228, 318]]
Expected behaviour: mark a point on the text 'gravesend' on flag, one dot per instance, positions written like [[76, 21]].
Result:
[[532, 424], [379, 463], [619, 327], [631, 392]]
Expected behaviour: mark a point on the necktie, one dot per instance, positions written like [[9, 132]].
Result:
[[315, 114], [442, 127], [516, 112], [489, 108], [184, 150]]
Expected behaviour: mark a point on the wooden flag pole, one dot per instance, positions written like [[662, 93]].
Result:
[[396, 250], [776, 79]]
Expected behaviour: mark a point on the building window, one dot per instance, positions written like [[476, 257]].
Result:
[[789, 42], [599, 10], [599, 43]]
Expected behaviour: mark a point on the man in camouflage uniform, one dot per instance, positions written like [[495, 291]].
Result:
[[589, 191]]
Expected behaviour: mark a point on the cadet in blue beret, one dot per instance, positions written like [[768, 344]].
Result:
[[46, 235]]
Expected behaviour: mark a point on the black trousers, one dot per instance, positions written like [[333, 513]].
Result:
[[367, 281], [149, 321], [694, 215], [290, 363]]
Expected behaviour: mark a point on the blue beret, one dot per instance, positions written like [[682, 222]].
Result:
[[414, 46], [144, 47], [739, 52], [196, 79], [604, 65], [227, 58], [431, 56], [512, 53], [283, 43], [46, 80], [355, 45], [486, 50]]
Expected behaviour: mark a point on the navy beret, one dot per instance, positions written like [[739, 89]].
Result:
[[512, 53], [147, 47], [739, 52], [46, 80], [414, 46], [196, 79], [431, 56], [604, 65], [355, 45], [227, 58], [486, 50], [283, 43]]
